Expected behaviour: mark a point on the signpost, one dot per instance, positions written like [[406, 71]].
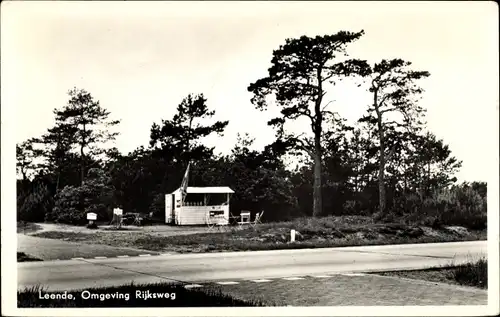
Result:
[[91, 217], [117, 217]]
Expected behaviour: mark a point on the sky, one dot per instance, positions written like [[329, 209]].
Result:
[[140, 59]]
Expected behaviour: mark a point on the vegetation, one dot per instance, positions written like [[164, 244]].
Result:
[[311, 233], [26, 227], [23, 257], [387, 165], [472, 273], [301, 68], [393, 89], [178, 296]]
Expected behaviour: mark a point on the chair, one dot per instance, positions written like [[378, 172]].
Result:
[[258, 219], [244, 218], [233, 220], [137, 220], [117, 221], [209, 222], [214, 222]]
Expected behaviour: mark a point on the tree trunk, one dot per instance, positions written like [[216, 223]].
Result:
[[381, 169], [82, 166], [58, 180], [381, 172], [317, 129], [317, 195], [82, 160]]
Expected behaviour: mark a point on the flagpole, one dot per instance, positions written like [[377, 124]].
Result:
[[184, 183]]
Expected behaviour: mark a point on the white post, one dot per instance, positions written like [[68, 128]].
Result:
[[292, 235]]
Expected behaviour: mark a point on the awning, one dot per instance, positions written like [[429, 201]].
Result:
[[209, 190]]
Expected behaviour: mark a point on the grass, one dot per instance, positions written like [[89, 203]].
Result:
[[312, 233], [178, 296], [27, 227], [23, 257], [472, 273]]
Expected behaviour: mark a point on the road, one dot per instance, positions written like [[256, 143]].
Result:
[[192, 268]]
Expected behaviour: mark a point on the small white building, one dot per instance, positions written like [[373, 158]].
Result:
[[201, 205]]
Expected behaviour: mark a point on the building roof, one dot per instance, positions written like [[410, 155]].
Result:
[[209, 190]]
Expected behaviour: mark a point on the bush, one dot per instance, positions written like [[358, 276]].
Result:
[[354, 207], [68, 207], [472, 273], [456, 206], [157, 207], [461, 206], [34, 205], [23, 257], [73, 203]]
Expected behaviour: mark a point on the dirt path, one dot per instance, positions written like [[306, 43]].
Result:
[[92, 246], [51, 249], [156, 230]]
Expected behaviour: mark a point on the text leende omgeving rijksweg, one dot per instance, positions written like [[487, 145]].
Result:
[[87, 295]]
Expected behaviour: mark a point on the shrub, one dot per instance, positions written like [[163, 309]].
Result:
[[472, 273], [354, 207], [23, 257], [68, 207], [462, 206], [157, 207], [407, 204], [459, 205], [34, 205], [73, 203]]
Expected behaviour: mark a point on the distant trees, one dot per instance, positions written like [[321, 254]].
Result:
[[88, 124], [181, 135], [57, 158], [301, 69], [25, 157], [260, 180], [387, 164], [34, 202], [74, 202], [394, 92], [178, 141], [66, 152]]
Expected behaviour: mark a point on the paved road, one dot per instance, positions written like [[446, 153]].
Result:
[[78, 274]]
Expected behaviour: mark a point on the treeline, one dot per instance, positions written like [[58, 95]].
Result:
[[387, 164]]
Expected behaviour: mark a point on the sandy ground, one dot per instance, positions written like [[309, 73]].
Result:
[[51, 249], [160, 230], [59, 249]]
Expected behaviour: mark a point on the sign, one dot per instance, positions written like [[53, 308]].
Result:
[[91, 216], [117, 211]]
